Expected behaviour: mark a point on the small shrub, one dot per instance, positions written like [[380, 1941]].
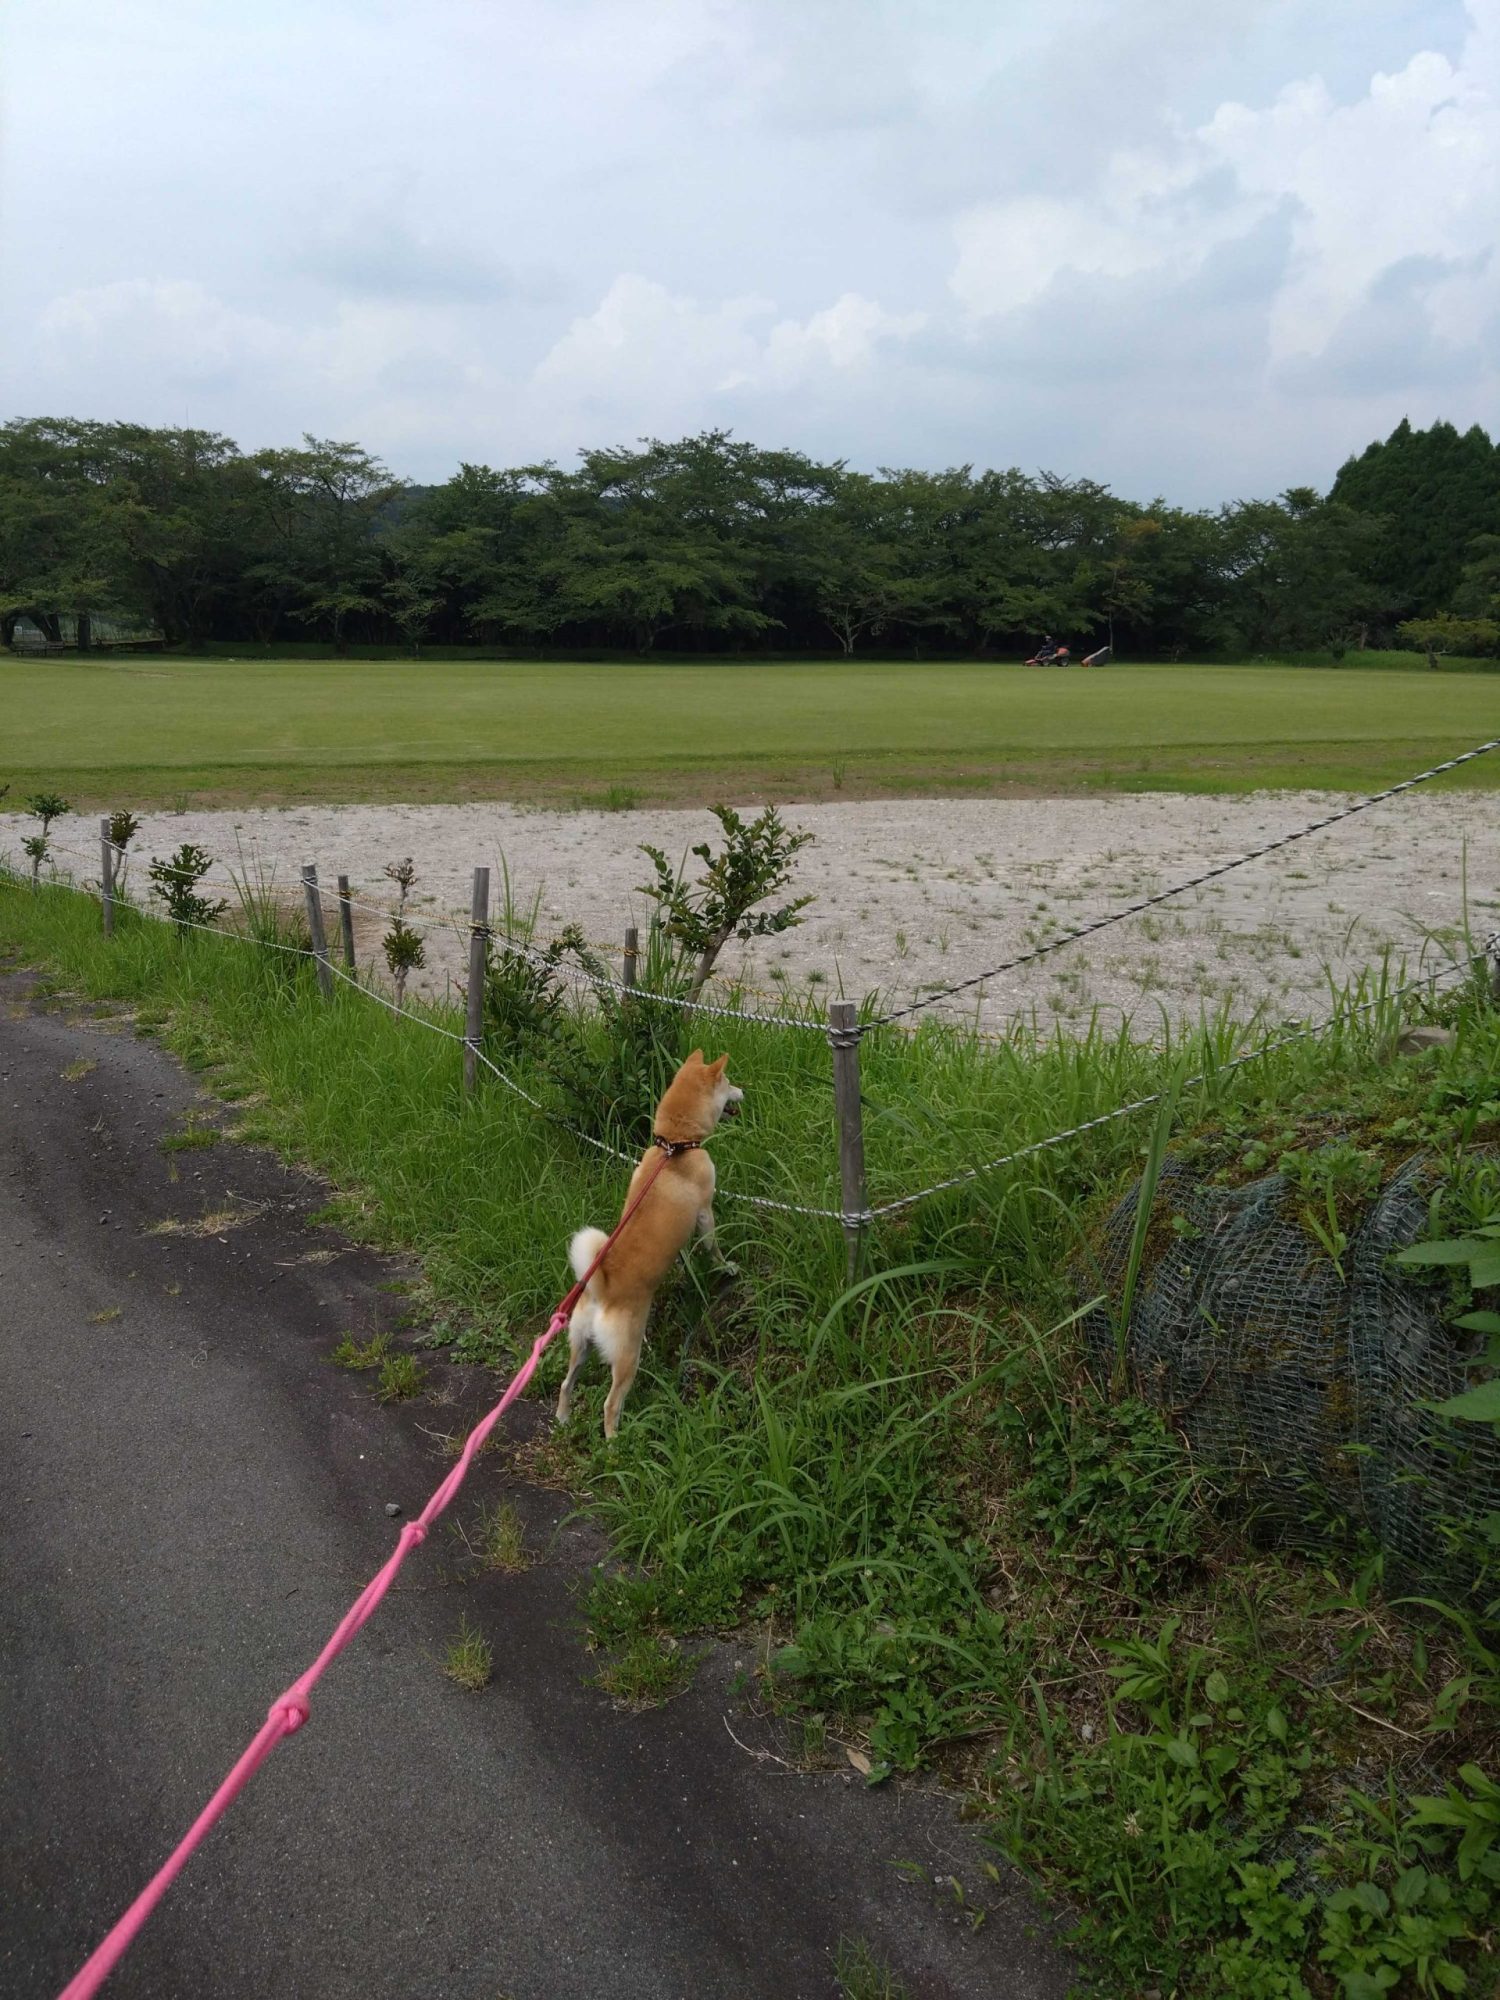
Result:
[[524, 993], [405, 953], [754, 863], [176, 881], [45, 806], [403, 874], [123, 828]]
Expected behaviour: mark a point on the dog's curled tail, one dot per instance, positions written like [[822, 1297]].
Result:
[[582, 1251]]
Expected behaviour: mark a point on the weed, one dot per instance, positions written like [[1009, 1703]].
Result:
[[647, 1673], [498, 1539], [401, 1377], [351, 1353], [470, 1659], [76, 1070], [106, 1318], [197, 1138], [861, 1975]]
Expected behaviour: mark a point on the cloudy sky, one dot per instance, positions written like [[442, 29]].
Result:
[[1195, 247]]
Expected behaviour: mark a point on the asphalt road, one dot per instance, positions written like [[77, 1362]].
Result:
[[189, 1498]]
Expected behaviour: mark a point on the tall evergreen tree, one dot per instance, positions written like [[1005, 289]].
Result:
[[1435, 491]]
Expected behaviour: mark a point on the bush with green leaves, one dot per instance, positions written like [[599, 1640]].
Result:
[[122, 829], [405, 953], [1447, 633], [608, 1063], [754, 863], [176, 880], [45, 806]]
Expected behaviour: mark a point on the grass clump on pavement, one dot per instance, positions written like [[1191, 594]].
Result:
[[470, 1659]]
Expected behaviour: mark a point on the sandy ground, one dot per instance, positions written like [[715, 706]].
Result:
[[910, 897]]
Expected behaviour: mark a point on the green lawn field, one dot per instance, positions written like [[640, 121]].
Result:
[[159, 729]]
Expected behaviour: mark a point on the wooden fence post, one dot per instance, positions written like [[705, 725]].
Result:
[[346, 922], [107, 877], [843, 1040], [315, 927], [479, 932], [629, 964]]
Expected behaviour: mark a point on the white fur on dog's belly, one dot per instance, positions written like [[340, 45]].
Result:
[[608, 1332]]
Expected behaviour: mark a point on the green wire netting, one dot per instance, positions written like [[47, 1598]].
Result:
[[1313, 1384]]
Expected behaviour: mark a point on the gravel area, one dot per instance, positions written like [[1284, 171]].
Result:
[[914, 896]]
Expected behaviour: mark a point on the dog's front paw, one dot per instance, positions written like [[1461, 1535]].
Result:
[[728, 1268]]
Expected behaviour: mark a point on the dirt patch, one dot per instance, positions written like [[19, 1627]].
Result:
[[917, 894]]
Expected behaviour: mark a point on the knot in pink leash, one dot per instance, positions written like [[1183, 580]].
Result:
[[292, 1709]]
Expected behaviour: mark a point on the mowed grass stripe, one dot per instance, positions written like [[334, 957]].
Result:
[[150, 728]]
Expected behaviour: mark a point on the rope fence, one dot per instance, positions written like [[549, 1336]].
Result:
[[1181, 888], [844, 1028], [847, 1037], [455, 923]]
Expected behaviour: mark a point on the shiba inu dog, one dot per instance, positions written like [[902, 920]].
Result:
[[613, 1311]]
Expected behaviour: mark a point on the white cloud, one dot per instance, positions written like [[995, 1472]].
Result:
[[1409, 169], [176, 327], [648, 349], [1186, 249]]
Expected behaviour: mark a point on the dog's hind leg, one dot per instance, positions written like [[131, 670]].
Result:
[[624, 1352], [578, 1349]]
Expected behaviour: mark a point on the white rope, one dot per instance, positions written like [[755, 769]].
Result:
[[861, 1217], [581, 974], [601, 1145], [1190, 1083], [1181, 888]]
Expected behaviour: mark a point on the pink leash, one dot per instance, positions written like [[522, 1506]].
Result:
[[290, 1710]]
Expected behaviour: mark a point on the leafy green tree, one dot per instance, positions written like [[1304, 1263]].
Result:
[[63, 546], [1450, 634], [411, 597], [1478, 594], [642, 543], [854, 565], [1435, 490], [1296, 571], [325, 504]]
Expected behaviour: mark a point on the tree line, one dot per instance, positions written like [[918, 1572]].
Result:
[[711, 544]]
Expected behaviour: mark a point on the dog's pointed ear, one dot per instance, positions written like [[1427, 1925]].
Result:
[[695, 1057], [716, 1069]]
